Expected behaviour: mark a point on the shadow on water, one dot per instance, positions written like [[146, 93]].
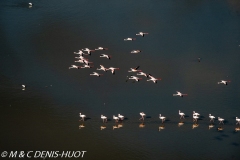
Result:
[[23, 5], [125, 118], [148, 117], [224, 135], [235, 144], [218, 138], [87, 118]]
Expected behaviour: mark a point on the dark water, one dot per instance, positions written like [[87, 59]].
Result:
[[37, 46]]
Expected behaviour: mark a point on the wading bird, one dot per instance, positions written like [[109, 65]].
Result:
[[224, 82], [115, 118], [113, 69], [238, 120], [135, 69], [220, 120], [104, 118], [73, 66], [141, 34], [196, 114], [143, 74], [105, 55], [102, 68], [129, 39], [195, 118], [153, 79], [134, 78], [181, 114], [101, 48], [211, 118], [88, 50], [120, 116], [96, 74], [162, 118], [179, 94], [135, 51], [142, 115], [82, 116]]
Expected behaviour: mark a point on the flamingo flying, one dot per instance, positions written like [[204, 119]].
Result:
[[153, 78], [135, 51], [73, 66], [113, 69], [141, 34], [135, 69], [105, 55], [96, 74], [179, 94], [224, 82], [102, 68], [129, 39]]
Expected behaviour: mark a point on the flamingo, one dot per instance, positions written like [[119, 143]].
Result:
[[134, 78], [105, 55], [120, 116], [211, 118], [115, 118], [181, 114], [238, 120], [220, 120], [88, 51], [179, 94], [80, 53], [142, 114], [143, 74], [129, 39], [104, 118], [73, 66], [80, 61], [153, 78], [30, 4], [113, 69], [196, 114], [86, 62], [224, 82], [162, 118], [82, 116], [96, 74], [141, 34], [24, 86], [195, 118], [135, 69], [102, 68], [86, 66], [81, 57], [101, 48], [135, 51]]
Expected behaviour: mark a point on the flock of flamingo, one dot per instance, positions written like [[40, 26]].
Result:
[[195, 115], [87, 64]]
